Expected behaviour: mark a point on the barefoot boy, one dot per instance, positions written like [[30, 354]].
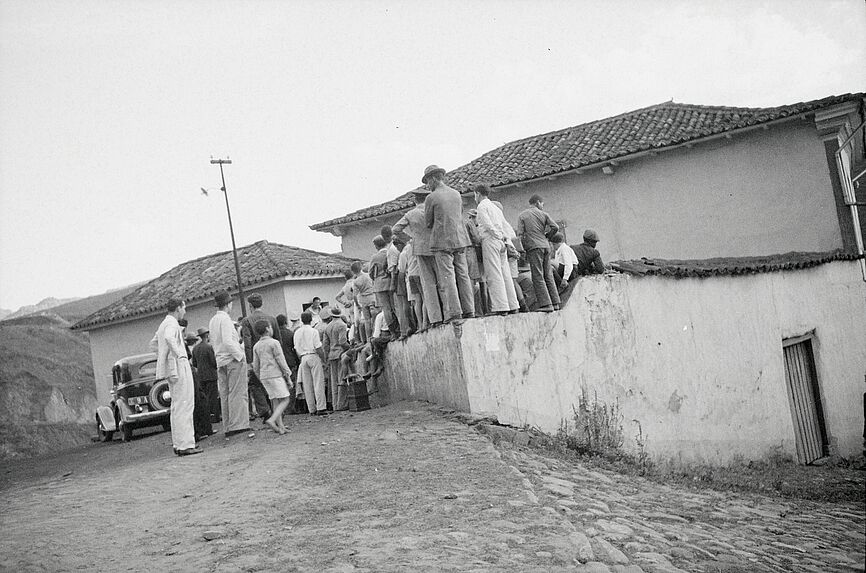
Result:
[[270, 366]]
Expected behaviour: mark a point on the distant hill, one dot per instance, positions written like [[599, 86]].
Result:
[[73, 309], [42, 305], [4, 312]]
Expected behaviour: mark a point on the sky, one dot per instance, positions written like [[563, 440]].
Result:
[[111, 110]]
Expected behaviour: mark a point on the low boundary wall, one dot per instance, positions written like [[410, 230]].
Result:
[[693, 365]]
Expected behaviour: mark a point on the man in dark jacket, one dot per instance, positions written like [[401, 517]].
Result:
[[204, 361], [443, 215], [588, 258], [534, 228]]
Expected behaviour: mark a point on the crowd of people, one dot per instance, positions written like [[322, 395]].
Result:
[[437, 264]]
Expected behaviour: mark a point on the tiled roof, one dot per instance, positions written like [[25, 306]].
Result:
[[655, 127], [730, 266], [203, 277]]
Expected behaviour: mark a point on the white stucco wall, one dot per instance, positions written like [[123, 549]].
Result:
[[109, 344], [698, 363], [762, 192]]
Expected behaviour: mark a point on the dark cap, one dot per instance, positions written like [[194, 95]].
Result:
[[590, 235], [255, 300], [202, 331]]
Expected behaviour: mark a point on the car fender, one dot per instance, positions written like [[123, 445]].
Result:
[[106, 418], [122, 410]]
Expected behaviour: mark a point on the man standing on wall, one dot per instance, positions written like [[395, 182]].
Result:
[[382, 278], [443, 215], [494, 253], [534, 228], [258, 395], [172, 364], [231, 368], [414, 221]]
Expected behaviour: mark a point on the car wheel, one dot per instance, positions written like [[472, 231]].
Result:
[[104, 436]]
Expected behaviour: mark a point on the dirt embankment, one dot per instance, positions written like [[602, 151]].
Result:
[[46, 386]]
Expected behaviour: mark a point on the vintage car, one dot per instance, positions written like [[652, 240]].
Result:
[[138, 400]]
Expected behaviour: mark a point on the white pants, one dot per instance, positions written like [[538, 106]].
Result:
[[182, 391], [497, 275], [313, 378]]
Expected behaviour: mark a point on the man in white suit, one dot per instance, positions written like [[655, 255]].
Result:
[[172, 364]]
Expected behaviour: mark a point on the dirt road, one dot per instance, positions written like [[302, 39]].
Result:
[[397, 488]]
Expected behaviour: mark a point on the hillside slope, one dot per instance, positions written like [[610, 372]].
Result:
[[45, 372]]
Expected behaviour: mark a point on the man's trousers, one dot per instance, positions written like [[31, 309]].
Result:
[[429, 288], [234, 396], [313, 379], [497, 275], [546, 293], [339, 396], [452, 273], [182, 389]]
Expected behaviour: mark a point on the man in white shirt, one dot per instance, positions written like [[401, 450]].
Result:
[[497, 273], [308, 346], [564, 261], [172, 364], [231, 368]]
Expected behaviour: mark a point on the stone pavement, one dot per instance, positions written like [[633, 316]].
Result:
[[398, 488], [626, 523]]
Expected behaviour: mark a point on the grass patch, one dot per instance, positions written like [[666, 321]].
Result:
[[595, 436]]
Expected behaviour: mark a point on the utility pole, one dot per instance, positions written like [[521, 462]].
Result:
[[222, 162]]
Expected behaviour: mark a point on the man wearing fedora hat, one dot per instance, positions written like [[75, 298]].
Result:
[[204, 361], [335, 341], [231, 368], [414, 226], [443, 215]]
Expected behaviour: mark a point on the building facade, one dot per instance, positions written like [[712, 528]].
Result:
[[286, 277]]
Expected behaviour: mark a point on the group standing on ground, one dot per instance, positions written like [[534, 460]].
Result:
[[436, 264]]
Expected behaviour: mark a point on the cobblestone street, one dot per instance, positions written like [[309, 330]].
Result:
[[398, 488]]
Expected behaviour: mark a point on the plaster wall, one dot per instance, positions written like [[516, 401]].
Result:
[[110, 343], [695, 365], [762, 192]]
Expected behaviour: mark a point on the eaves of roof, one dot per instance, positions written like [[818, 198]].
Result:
[[729, 266]]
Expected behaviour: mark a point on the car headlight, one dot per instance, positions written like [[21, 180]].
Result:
[[165, 396]]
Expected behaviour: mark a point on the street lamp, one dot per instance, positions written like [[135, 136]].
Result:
[[222, 162]]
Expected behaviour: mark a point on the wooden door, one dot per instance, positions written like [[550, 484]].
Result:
[[805, 400]]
